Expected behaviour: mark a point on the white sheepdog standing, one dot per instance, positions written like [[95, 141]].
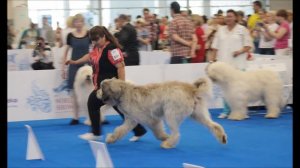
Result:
[[242, 87], [83, 86]]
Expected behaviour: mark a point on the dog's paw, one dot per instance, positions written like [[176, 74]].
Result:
[[237, 117], [166, 145], [163, 137], [99, 94], [271, 116], [110, 138]]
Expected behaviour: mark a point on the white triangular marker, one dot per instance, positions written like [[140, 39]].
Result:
[[101, 155], [187, 165], [33, 148]]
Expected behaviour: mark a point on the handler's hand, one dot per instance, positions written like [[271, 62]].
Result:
[[70, 62]]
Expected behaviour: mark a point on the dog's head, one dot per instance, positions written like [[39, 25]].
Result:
[[111, 91], [218, 71], [84, 75]]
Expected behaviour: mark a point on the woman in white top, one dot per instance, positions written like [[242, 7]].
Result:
[[231, 44]]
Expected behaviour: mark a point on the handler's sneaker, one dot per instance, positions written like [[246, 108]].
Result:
[[135, 138], [223, 115], [90, 137]]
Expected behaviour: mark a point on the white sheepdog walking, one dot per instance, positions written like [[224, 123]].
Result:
[[242, 87], [83, 86], [151, 104]]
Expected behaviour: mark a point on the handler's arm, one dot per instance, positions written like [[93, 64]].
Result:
[[121, 70], [82, 60]]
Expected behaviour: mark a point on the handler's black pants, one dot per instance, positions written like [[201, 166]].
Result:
[[94, 105]]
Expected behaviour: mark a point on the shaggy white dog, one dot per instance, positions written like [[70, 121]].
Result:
[[241, 87], [83, 86], [150, 104]]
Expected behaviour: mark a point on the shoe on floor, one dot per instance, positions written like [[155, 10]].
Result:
[[135, 138], [74, 122], [105, 122], [223, 115], [90, 137]]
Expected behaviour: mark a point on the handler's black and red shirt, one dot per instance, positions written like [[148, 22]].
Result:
[[103, 62]]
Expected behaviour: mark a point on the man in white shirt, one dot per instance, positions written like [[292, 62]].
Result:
[[231, 44]]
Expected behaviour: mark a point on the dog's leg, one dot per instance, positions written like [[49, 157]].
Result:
[[238, 108], [157, 128], [122, 130], [202, 115], [173, 124], [272, 103]]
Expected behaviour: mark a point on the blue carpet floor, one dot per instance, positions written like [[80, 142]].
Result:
[[255, 142]]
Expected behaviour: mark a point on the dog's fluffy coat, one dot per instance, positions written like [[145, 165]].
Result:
[[241, 87], [150, 104], [83, 86]]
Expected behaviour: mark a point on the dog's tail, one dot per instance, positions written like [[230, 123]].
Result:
[[204, 86]]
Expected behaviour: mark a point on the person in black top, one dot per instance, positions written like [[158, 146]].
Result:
[[42, 55], [128, 39], [107, 61]]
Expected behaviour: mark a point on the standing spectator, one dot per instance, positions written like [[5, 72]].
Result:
[[240, 18], [163, 33], [210, 33], [58, 35], [79, 41], [152, 27], [252, 22], [200, 49], [231, 44], [107, 61], [267, 42], [282, 33], [42, 56], [143, 35], [127, 37], [182, 37], [69, 28], [47, 32], [29, 37], [115, 28], [204, 25], [10, 36], [290, 20]]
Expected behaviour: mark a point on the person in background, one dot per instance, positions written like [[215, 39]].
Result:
[[80, 42], [182, 36], [231, 45], [200, 49], [267, 42], [281, 34], [29, 37], [163, 33], [127, 37], [116, 27], [47, 32], [151, 25], [58, 35], [69, 28], [241, 20], [42, 56], [252, 23], [107, 61], [10, 36], [143, 35]]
